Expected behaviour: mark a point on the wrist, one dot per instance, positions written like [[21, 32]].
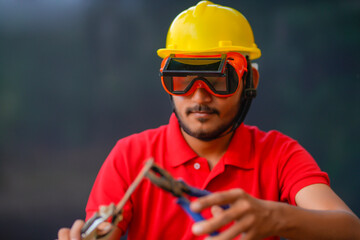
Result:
[[283, 217]]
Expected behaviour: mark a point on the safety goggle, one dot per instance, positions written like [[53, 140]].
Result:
[[219, 74]]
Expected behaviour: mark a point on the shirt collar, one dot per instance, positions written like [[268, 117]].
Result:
[[178, 149], [238, 153]]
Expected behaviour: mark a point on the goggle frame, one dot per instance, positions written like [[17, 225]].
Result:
[[235, 59]]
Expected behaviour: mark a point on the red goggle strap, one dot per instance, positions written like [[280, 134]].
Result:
[[239, 63]]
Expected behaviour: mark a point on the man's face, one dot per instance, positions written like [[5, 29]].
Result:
[[204, 115]]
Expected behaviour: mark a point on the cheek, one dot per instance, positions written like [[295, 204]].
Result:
[[178, 102], [231, 106]]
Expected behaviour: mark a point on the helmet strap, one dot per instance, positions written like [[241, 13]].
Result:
[[249, 92]]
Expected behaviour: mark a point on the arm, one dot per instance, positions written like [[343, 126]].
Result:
[[320, 214], [75, 232]]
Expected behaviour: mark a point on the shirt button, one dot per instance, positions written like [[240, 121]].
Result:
[[197, 166]]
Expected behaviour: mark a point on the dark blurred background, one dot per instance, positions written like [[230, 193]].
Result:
[[76, 75]]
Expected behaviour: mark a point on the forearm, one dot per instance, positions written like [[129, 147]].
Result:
[[299, 223], [257, 219]]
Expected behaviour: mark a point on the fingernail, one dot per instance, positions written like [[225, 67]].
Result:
[[107, 227], [197, 229], [195, 206]]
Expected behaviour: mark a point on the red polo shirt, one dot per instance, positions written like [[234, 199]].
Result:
[[267, 165]]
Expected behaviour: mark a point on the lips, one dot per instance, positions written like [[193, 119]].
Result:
[[202, 112]]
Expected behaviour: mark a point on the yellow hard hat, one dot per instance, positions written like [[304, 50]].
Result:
[[209, 28]]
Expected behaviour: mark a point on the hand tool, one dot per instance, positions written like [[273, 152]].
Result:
[[112, 212], [179, 189]]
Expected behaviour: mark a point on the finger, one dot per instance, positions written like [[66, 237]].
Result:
[[231, 233], [247, 236], [104, 228], [216, 210], [216, 222], [75, 231], [64, 234], [242, 227], [219, 198], [243, 222]]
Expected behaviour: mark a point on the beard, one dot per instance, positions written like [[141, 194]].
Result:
[[201, 134]]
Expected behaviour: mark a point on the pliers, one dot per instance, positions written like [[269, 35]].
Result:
[[111, 212], [178, 188]]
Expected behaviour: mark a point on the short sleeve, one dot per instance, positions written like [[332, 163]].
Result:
[[297, 169]]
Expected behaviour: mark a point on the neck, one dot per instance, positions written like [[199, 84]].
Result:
[[212, 150]]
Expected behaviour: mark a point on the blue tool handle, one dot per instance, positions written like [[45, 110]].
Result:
[[185, 204], [196, 192]]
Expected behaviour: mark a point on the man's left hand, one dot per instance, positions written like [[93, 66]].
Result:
[[253, 218]]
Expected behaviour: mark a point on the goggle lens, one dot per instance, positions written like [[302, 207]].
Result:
[[181, 84]]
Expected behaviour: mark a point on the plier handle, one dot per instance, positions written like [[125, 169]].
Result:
[[178, 188]]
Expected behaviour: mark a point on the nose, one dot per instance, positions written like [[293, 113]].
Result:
[[201, 95]]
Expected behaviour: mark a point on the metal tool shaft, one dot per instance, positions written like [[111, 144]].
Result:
[[135, 183], [89, 230]]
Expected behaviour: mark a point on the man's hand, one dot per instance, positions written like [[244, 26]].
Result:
[[71, 234], [320, 214], [75, 232], [253, 218]]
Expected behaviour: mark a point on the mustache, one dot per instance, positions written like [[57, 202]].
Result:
[[202, 108]]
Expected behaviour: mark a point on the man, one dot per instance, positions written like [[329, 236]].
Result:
[[273, 186]]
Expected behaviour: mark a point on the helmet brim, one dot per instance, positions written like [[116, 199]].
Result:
[[253, 53]]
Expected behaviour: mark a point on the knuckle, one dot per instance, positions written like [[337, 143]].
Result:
[[238, 191], [218, 197], [246, 205], [232, 215]]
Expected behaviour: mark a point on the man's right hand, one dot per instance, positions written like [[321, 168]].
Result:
[[75, 232], [71, 234]]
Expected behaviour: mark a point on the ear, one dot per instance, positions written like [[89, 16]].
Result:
[[256, 77]]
